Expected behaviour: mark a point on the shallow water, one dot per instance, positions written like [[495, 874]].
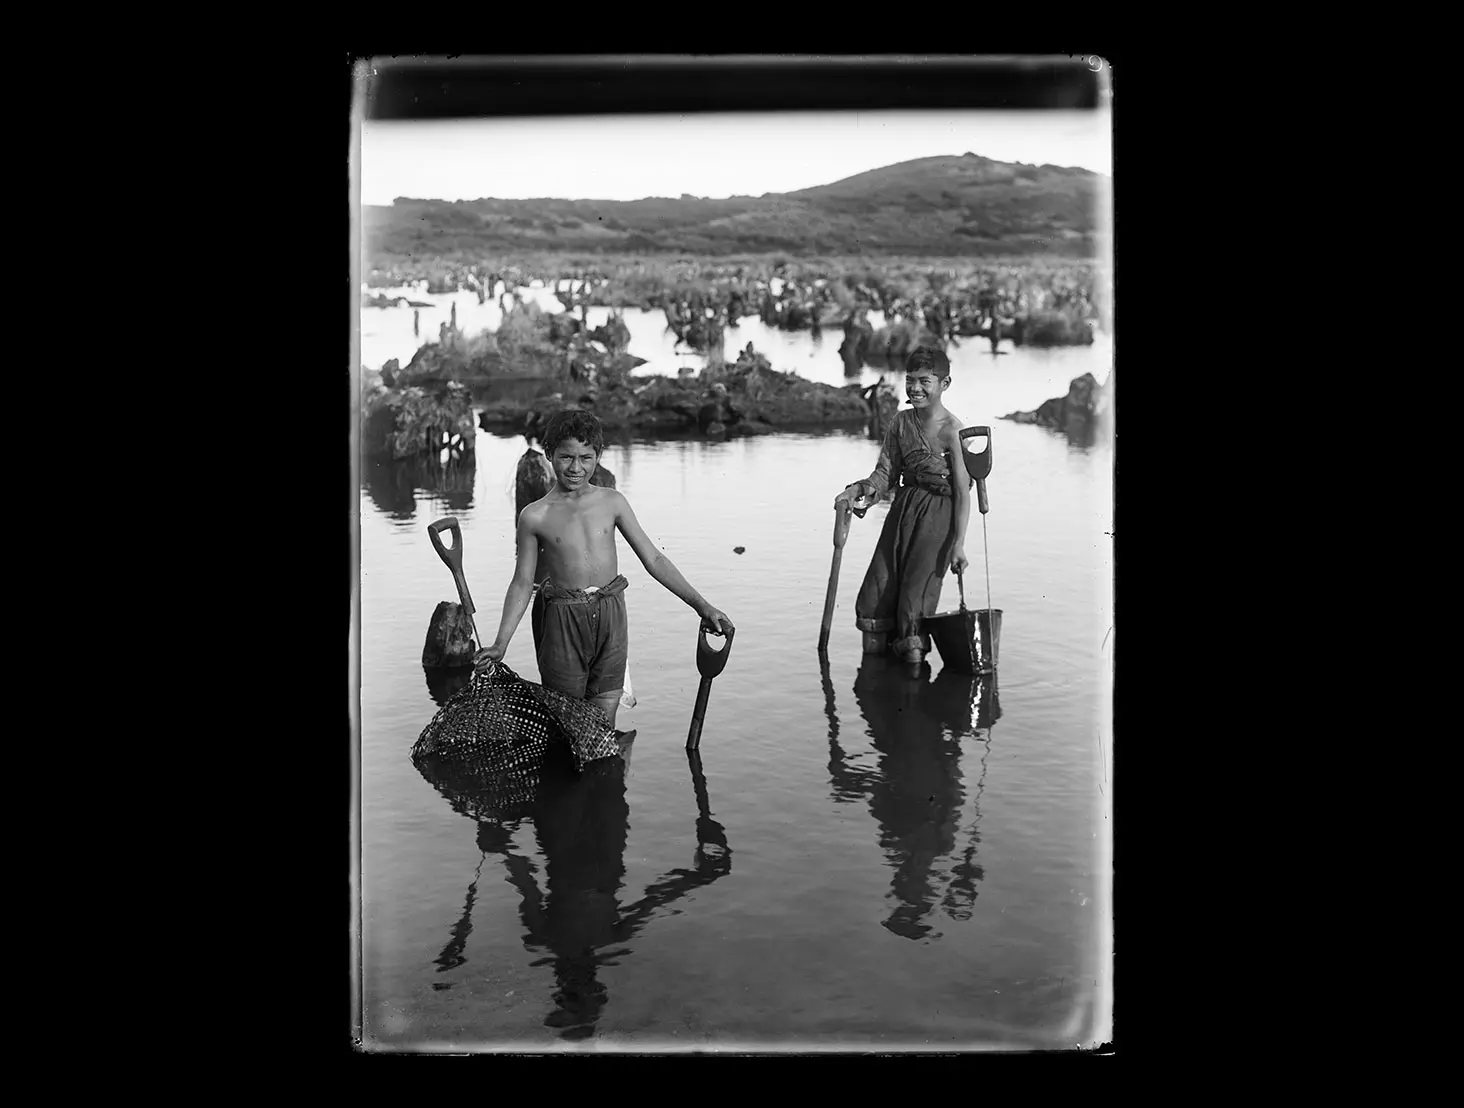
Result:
[[874, 861], [387, 333]]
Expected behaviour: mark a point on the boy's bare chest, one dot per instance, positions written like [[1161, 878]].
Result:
[[577, 529], [928, 435]]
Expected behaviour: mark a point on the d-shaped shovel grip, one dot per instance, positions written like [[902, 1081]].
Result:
[[978, 465], [711, 662], [452, 556]]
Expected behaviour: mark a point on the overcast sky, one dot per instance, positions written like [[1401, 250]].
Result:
[[629, 157]]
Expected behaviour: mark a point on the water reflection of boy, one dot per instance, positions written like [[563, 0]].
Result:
[[915, 792], [581, 826], [566, 545]]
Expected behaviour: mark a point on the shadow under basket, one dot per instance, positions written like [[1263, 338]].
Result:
[[967, 639]]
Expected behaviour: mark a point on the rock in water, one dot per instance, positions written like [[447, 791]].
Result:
[[449, 642], [1075, 415], [534, 479]]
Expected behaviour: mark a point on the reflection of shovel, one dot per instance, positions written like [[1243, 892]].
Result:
[[709, 663], [453, 556]]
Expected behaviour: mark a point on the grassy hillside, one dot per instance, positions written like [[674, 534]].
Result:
[[965, 206]]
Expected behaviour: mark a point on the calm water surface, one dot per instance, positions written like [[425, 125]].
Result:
[[863, 857]]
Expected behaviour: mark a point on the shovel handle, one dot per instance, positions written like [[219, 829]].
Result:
[[978, 465], [698, 714], [841, 526], [452, 556], [841, 533], [711, 662]]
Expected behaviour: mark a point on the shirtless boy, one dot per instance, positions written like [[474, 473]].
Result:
[[566, 541]]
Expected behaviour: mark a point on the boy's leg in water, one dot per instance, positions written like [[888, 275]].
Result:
[[608, 703], [606, 681]]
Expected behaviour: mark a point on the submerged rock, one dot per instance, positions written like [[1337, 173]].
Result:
[[449, 642], [858, 334], [1054, 329], [1077, 414], [533, 480], [406, 422], [746, 398]]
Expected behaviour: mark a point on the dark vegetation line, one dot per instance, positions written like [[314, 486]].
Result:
[[966, 206]]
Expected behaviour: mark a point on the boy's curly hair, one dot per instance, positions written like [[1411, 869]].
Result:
[[572, 423], [928, 357]]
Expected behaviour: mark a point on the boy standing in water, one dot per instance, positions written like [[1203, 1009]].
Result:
[[924, 533], [567, 541]]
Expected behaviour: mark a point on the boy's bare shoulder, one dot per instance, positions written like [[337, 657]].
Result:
[[534, 514]]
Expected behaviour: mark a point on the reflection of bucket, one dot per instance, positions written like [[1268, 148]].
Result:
[[988, 703], [968, 642]]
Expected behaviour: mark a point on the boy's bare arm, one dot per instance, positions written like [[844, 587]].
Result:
[[885, 475], [661, 568], [520, 590]]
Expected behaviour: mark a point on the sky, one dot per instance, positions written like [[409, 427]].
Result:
[[630, 157]]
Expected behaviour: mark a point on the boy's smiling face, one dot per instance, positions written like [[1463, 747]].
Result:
[[923, 386], [573, 463]]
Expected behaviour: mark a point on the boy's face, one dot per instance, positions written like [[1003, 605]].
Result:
[[923, 386], [573, 464]]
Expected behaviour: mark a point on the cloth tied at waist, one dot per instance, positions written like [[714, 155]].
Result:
[[557, 595], [930, 482]]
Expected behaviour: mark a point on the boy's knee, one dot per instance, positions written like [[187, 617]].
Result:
[[608, 702]]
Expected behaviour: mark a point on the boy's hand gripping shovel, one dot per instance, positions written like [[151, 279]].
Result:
[[453, 556], [709, 663]]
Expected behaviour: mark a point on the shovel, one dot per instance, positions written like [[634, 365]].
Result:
[[709, 663], [453, 557], [841, 533], [966, 642], [979, 467]]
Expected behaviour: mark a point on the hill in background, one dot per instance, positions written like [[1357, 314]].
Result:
[[943, 206]]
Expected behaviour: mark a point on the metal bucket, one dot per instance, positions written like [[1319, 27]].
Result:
[[969, 639]]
